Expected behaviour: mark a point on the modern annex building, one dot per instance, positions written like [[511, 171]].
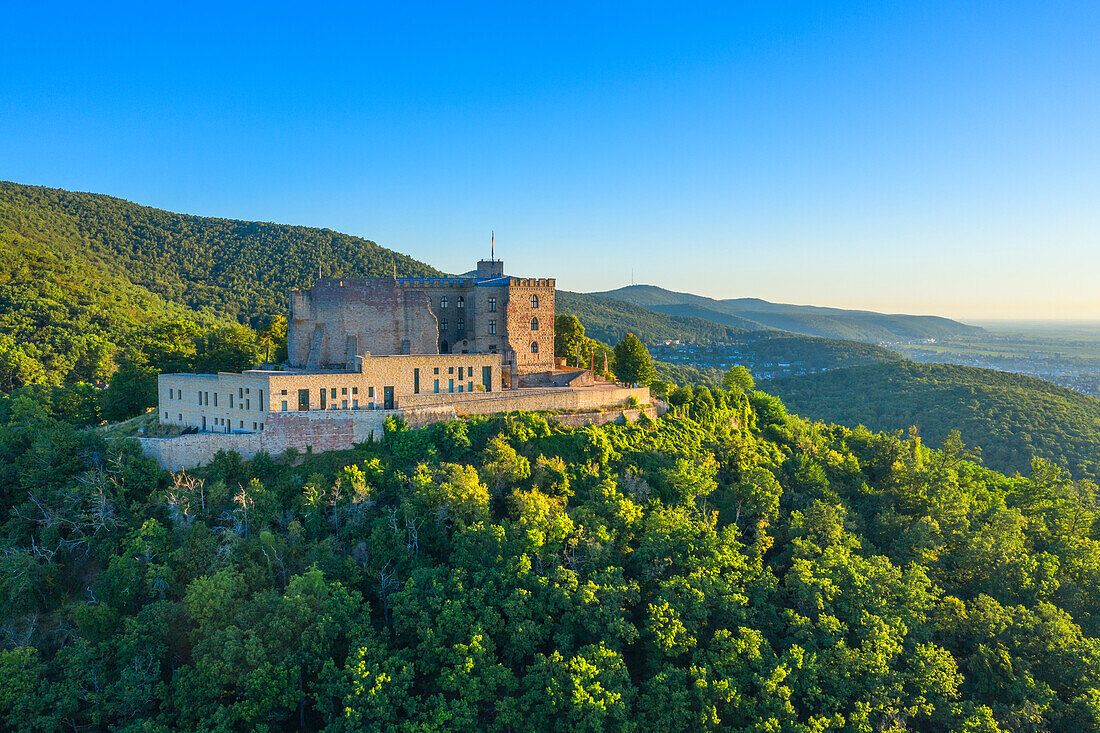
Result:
[[362, 349]]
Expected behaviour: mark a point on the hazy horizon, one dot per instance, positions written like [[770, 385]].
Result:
[[896, 159]]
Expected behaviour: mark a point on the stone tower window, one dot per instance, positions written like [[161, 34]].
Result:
[[534, 301], [492, 305], [460, 303], [492, 328], [443, 325], [534, 324], [534, 347], [443, 301]]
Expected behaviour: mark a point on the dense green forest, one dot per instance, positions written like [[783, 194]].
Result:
[[813, 352], [754, 314], [729, 566], [1010, 417]]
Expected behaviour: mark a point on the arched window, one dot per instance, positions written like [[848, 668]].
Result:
[[443, 301], [534, 347], [534, 301], [461, 302], [534, 324]]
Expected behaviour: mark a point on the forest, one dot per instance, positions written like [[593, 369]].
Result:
[[727, 566], [1010, 417]]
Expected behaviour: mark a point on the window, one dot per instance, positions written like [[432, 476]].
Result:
[[469, 386], [242, 424], [283, 393], [460, 386], [231, 399], [180, 417], [416, 381], [492, 328], [370, 392], [248, 404], [343, 404], [200, 398], [303, 399], [166, 414], [443, 301], [460, 303], [461, 324], [170, 393], [451, 385], [332, 393], [284, 404], [492, 348], [492, 305], [355, 390], [343, 390], [443, 325], [534, 324], [460, 372], [534, 301], [450, 370], [261, 400], [436, 370], [534, 347], [240, 394], [435, 388], [216, 398], [253, 426], [355, 404]]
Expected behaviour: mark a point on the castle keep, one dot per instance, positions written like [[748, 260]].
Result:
[[363, 349], [338, 320]]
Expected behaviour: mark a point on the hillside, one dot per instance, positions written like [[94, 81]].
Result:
[[609, 319], [1009, 416], [81, 274], [754, 314]]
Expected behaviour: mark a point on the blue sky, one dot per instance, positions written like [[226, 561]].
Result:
[[926, 158]]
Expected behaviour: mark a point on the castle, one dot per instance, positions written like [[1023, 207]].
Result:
[[362, 349]]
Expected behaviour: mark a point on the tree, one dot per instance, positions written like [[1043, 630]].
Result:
[[739, 378], [568, 334], [632, 361]]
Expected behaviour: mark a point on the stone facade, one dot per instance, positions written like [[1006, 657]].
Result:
[[489, 313]]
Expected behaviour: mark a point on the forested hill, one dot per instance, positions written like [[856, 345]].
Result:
[[608, 320], [1009, 416], [755, 314], [224, 267]]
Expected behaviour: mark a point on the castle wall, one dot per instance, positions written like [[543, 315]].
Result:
[[360, 315]]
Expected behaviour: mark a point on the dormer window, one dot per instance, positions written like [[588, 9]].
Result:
[[534, 324], [443, 301], [534, 301]]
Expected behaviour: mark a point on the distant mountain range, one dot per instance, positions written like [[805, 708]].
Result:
[[753, 314]]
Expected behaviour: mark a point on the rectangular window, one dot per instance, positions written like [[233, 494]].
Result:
[[303, 399], [343, 390], [332, 393], [283, 393], [370, 392], [240, 395], [436, 370], [343, 404], [460, 387], [324, 397], [416, 381], [492, 306], [253, 425], [215, 399], [248, 403], [284, 405], [230, 399], [450, 370], [355, 404], [170, 393], [355, 390], [261, 400], [200, 398], [436, 388], [166, 416], [487, 378], [451, 385], [460, 372], [242, 424], [206, 398], [492, 328], [469, 386]]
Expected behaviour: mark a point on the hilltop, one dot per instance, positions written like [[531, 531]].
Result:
[[1011, 417], [757, 314]]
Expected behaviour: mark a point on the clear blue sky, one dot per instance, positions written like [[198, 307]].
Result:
[[894, 156]]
